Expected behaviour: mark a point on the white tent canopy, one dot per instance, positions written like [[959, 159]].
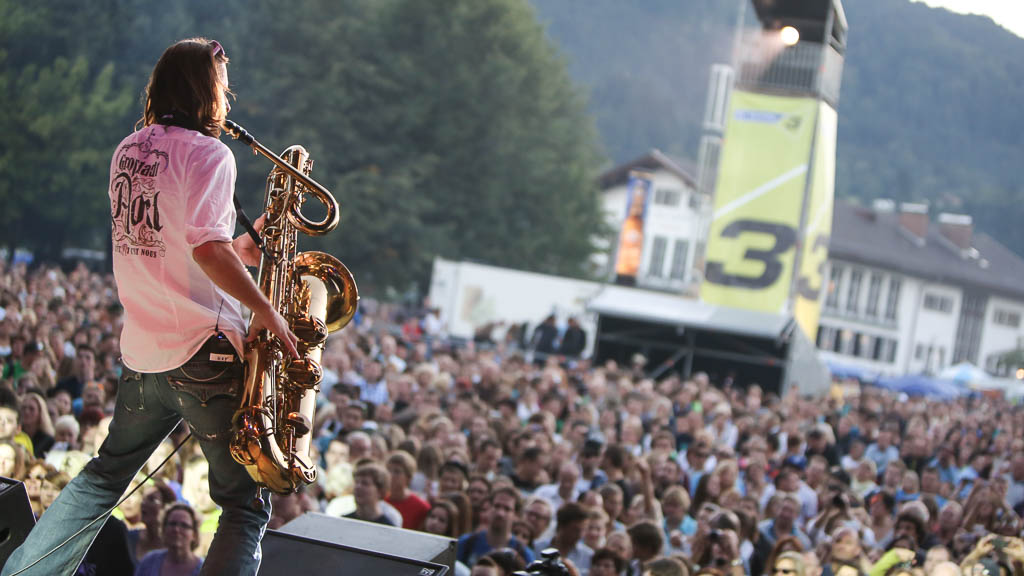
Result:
[[970, 375]]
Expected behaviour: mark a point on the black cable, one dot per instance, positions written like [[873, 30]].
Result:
[[242, 219], [109, 511]]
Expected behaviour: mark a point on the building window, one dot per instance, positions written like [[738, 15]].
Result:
[[679, 254], [890, 353], [668, 196], [843, 338], [968, 331], [893, 299], [918, 352], [834, 279], [826, 337], [938, 303], [853, 292], [1006, 318], [862, 346], [654, 267], [878, 349], [874, 291]]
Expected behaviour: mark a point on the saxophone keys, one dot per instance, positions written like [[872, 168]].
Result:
[[310, 330], [299, 422], [305, 373]]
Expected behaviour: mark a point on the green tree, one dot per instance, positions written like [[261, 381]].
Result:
[[448, 128], [443, 128], [55, 153], [517, 157]]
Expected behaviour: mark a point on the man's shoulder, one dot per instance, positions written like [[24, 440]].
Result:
[[465, 538], [412, 500], [212, 148], [546, 490]]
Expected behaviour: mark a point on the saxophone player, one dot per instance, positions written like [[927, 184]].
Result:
[[182, 280]]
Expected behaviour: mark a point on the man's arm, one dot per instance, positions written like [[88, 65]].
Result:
[[244, 246], [222, 265]]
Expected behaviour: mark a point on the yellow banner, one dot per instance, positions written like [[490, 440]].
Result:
[[807, 309], [761, 182]]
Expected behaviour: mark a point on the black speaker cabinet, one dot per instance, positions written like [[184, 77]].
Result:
[[16, 519], [319, 544]]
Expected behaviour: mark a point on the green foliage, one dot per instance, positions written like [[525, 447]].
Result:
[[55, 157], [524, 193], [447, 127]]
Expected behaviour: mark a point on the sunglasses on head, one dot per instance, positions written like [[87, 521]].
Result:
[[217, 49], [784, 571]]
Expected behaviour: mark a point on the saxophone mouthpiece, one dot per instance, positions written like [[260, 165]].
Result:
[[238, 133]]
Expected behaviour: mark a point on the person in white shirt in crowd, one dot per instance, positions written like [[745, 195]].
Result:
[[1015, 492], [564, 489], [882, 452], [568, 538]]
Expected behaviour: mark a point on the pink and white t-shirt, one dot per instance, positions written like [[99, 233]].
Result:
[[170, 191]]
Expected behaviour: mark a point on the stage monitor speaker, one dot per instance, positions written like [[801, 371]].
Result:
[[325, 544], [16, 519]]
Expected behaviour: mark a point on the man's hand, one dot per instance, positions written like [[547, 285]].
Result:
[[269, 319], [644, 468], [1015, 549], [246, 248], [986, 544]]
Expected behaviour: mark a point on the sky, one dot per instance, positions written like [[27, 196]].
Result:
[[1007, 13]]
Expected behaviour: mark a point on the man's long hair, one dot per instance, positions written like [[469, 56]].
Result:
[[183, 88]]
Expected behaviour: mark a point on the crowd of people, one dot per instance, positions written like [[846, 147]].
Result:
[[512, 453]]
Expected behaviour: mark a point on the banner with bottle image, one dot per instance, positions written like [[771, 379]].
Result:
[[630, 250], [762, 178]]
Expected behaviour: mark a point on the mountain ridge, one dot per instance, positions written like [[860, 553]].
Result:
[[926, 111]]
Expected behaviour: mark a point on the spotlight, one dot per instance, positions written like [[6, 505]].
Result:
[[789, 35]]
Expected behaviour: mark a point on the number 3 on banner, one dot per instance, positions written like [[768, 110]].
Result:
[[785, 239], [804, 285]]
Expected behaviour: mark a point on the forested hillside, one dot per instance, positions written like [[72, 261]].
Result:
[[930, 103]]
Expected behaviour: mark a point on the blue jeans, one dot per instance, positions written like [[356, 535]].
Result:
[[149, 407]]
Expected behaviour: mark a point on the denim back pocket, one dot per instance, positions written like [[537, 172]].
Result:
[[212, 372], [207, 399], [207, 382]]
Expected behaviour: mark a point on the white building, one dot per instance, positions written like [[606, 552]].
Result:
[[904, 294], [907, 295], [675, 226]]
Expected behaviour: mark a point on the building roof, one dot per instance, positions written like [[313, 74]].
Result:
[[876, 238], [653, 160], [676, 310]]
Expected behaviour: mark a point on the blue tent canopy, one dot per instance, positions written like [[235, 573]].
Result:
[[849, 372], [921, 385]]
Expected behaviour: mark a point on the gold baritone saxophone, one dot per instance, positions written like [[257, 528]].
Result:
[[317, 295]]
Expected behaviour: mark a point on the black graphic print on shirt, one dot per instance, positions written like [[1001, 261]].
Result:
[[135, 201]]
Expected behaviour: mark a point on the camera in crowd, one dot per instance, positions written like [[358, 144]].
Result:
[[548, 565]]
